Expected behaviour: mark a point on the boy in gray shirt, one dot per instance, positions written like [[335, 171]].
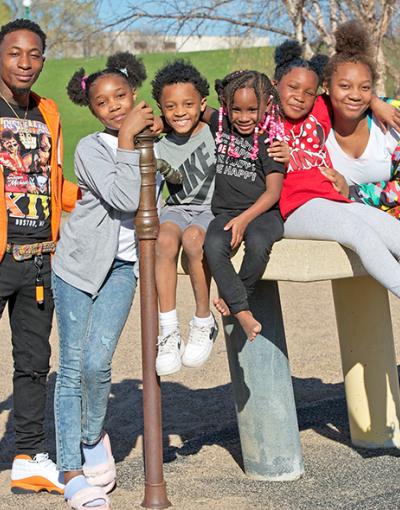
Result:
[[181, 92]]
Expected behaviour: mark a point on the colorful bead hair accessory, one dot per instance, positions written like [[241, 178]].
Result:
[[231, 149], [254, 151], [271, 124], [221, 113]]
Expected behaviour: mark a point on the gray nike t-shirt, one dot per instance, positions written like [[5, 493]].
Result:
[[195, 156]]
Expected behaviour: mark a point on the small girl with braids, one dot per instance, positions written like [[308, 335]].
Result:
[[247, 188], [95, 275]]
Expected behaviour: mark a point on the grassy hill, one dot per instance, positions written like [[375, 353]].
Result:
[[78, 122]]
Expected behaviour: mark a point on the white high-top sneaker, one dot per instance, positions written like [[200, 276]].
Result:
[[35, 474]]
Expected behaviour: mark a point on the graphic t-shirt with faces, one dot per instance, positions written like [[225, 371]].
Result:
[[25, 154]]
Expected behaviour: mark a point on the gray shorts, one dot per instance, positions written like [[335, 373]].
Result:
[[186, 217]]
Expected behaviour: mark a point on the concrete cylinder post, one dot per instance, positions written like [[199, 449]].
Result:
[[263, 392], [147, 226], [369, 362]]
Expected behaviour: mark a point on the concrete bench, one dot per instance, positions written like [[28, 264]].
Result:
[[260, 370]]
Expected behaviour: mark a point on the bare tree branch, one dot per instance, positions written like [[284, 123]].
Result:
[[206, 17]]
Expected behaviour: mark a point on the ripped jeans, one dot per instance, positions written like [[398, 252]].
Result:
[[89, 328]]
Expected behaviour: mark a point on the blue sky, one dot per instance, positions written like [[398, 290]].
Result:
[[113, 5], [113, 9]]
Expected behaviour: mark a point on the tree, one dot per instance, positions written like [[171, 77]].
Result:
[[312, 22], [5, 13], [65, 22]]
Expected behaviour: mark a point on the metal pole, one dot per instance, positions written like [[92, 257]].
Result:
[[147, 226]]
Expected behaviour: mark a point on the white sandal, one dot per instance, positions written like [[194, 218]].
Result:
[[103, 475], [87, 495]]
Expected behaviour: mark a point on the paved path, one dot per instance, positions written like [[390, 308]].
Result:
[[202, 448]]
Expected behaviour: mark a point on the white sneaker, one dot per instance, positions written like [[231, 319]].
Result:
[[170, 350], [200, 344], [35, 474]]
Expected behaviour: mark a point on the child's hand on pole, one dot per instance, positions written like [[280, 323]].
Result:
[[138, 119], [158, 125]]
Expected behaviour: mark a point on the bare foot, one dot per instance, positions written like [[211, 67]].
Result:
[[222, 307], [249, 324]]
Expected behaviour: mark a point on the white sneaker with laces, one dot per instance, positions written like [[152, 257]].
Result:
[[35, 474], [170, 350], [200, 344]]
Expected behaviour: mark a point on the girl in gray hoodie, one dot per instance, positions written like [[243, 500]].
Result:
[[94, 275]]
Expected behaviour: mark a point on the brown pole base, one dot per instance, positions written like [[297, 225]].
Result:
[[155, 495]]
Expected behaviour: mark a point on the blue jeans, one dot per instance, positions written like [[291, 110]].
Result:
[[89, 329]]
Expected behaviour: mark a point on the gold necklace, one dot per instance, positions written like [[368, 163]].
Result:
[[24, 135], [12, 109]]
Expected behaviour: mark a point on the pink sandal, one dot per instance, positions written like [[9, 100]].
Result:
[[103, 475], [85, 496]]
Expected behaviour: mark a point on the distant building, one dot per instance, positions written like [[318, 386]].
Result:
[[138, 42], [182, 43]]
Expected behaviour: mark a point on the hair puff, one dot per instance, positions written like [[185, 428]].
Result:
[[126, 63], [352, 38], [289, 55], [75, 91], [318, 64], [353, 46], [287, 52]]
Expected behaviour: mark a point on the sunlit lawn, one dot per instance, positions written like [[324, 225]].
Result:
[[78, 122]]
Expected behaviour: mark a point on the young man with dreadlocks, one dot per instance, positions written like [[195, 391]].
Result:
[[31, 199], [248, 183]]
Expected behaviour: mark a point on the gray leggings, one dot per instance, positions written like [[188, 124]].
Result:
[[373, 234]]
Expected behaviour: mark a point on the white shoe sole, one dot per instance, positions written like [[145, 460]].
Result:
[[196, 362], [169, 371]]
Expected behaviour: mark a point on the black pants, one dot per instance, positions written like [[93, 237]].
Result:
[[30, 329], [259, 237]]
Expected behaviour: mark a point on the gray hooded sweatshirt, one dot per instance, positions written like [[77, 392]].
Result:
[[110, 185]]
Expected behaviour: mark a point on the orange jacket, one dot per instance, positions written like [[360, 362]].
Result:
[[63, 193]]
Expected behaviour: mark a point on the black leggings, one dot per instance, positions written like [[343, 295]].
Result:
[[261, 233]]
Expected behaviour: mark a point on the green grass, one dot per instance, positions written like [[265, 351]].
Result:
[[77, 122]]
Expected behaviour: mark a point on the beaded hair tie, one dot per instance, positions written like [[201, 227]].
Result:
[[271, 124]]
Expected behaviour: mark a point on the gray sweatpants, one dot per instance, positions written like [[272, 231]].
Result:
[[373, 234]]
